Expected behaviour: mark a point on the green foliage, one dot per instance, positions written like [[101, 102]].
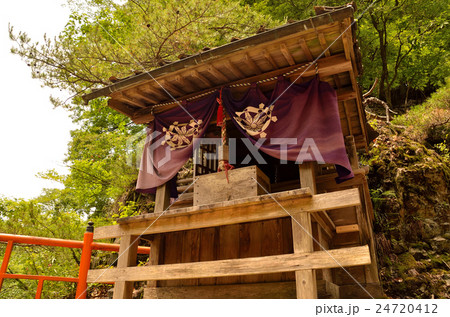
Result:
[[402, 42], [405, 42], [429, 123], [288, 9], [40, 218], [444, 149], [127, 209], [103, 39]]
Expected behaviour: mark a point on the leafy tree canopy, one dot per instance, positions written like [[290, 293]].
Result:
[[104, 39], [402, 42]]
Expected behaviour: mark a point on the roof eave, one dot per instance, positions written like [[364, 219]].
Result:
[[202, 57]]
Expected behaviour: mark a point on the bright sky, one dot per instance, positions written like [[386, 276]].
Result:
[[33, 135]]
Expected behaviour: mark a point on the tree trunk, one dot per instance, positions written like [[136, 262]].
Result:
[[384, 89]]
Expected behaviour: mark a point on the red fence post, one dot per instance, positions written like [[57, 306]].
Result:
[[85, 261], [5, 261], [39, 288]]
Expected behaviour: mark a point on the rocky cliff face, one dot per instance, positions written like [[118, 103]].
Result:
[[410, 189]]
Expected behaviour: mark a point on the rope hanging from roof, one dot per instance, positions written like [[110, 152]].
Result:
[[242, 84], [224, 164]]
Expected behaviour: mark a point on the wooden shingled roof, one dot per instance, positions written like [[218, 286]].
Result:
[[252, 59]]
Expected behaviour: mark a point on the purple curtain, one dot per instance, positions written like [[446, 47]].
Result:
[[170, 142], [298, 122]]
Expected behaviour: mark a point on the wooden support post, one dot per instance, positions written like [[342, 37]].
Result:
[[371, 270], [351, 151], [308, 176], [302, 236], [162, 202], [323, 240], [162, 199], [127, 258], [154, 256]]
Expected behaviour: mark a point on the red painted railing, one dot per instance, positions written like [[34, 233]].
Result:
[[86, 246]]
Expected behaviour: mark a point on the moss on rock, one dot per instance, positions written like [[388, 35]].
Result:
[[410, 189]]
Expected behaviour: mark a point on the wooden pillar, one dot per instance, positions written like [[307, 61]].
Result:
[[351, 151], [162, 202], [127, 257], [371, 270], [154, 256], [162, 198], [323, 240], [302, 236]]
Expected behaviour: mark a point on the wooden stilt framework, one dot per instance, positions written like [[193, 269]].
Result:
[[220, 250], [301, 204]]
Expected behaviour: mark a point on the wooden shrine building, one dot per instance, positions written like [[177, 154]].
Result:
[[272, 231]]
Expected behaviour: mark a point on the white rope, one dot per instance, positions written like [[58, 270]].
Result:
[[241, 85]]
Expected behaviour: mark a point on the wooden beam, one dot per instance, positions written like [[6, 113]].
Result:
[[249, 61], [347, 228], [324, 243], [145, 96], [278, 290], [127, 99], [127, 258], [216, 73], [269, 58], [162, 199], [308, 176], [185, 82], [154, 90], [346, 40], [348, 49], [325, 227], [323, 44], [120, 107], [172, 89], [371, 270], [251, 209], [344, 257], [305, 49], [332, 289], [346, 93], [287, 55], [145, 118], [351, 151], [327, 67], [155, 248], [233, 68], [201, 78], [324, 215], [347, 116], [302, 236]]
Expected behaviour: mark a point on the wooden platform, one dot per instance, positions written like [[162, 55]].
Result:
[[224, 249]]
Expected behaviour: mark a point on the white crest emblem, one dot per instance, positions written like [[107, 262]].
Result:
[[256, 120], [181, 135]]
